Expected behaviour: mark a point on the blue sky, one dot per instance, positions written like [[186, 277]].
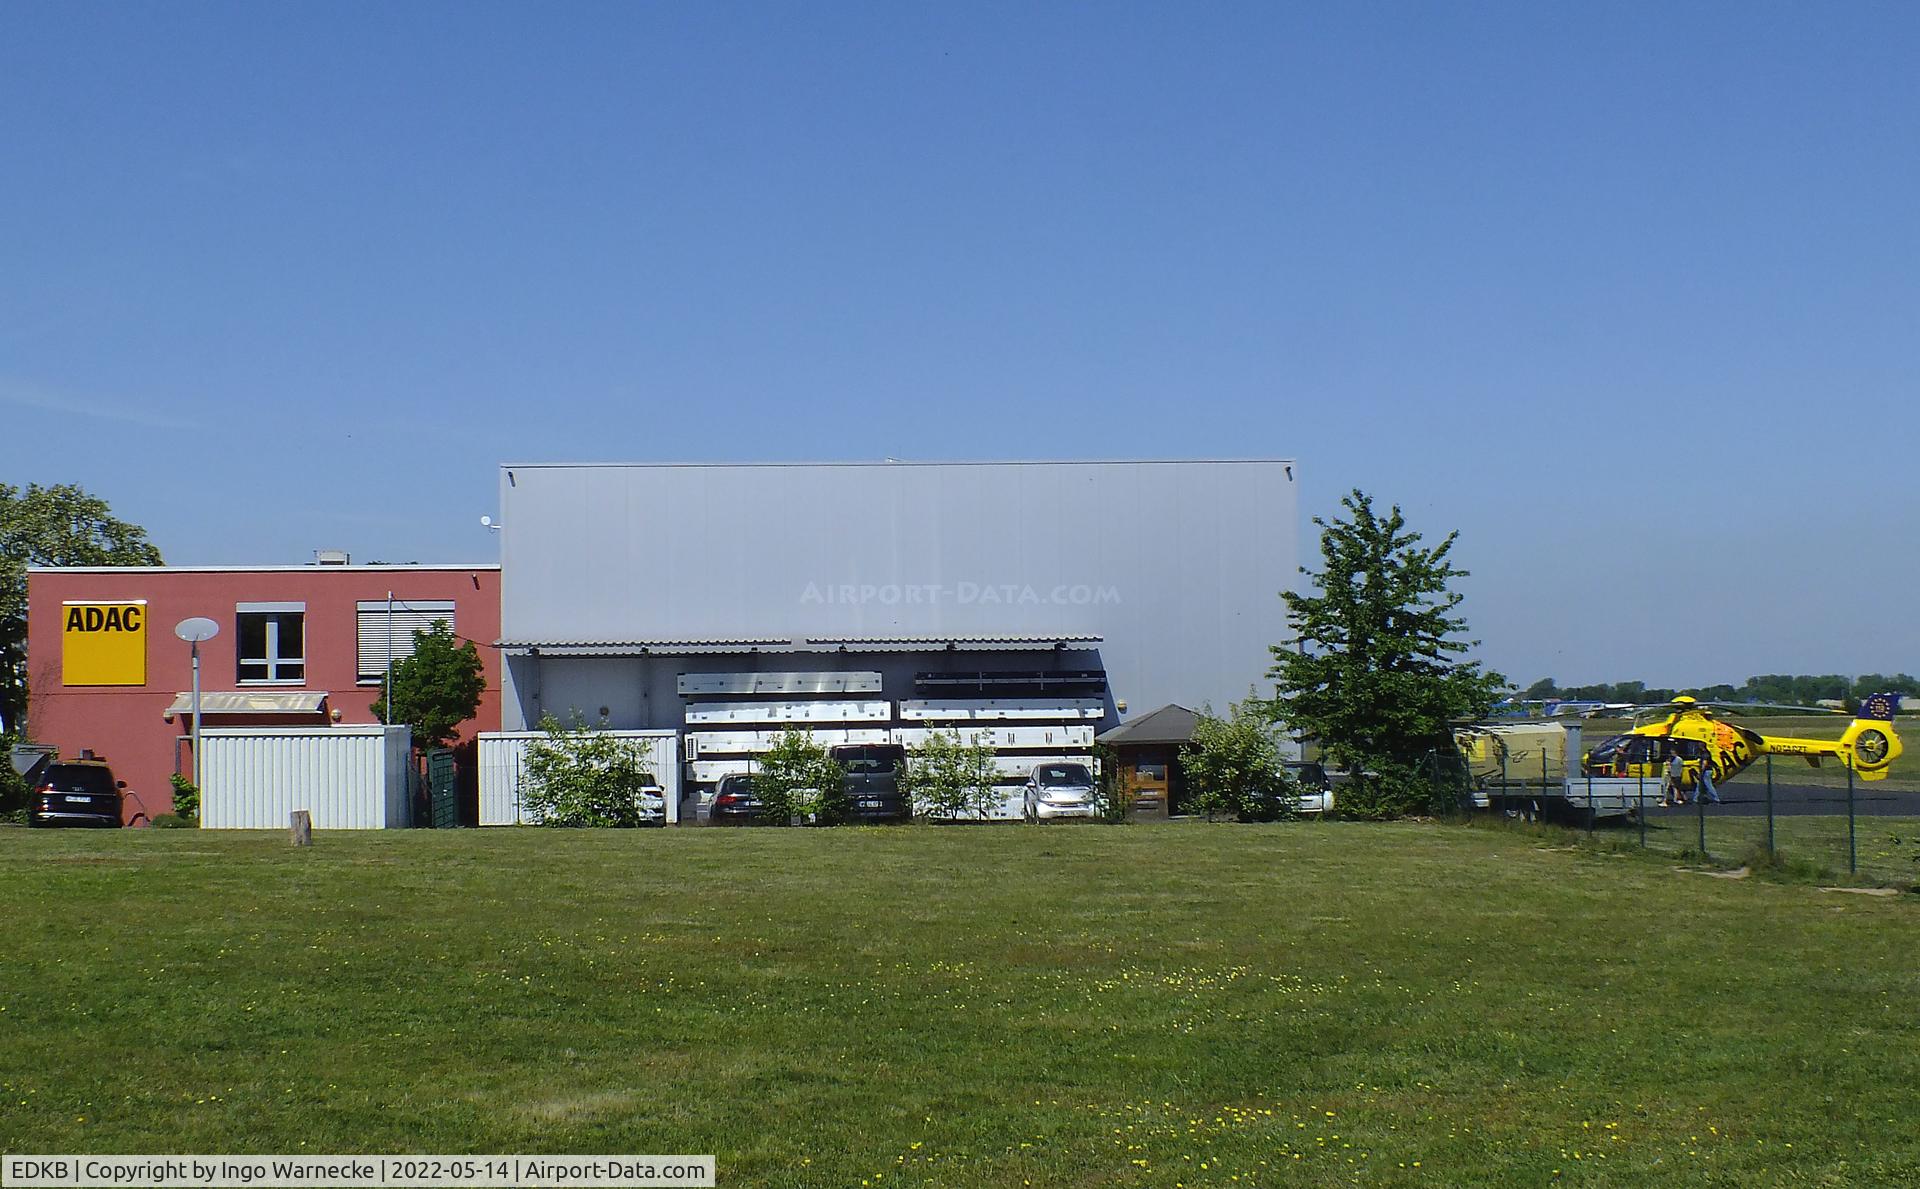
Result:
[[1628, 295]]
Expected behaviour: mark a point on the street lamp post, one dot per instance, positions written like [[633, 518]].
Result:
[[193, 631]]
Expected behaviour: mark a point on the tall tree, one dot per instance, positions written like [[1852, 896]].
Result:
[[437, 688], [51, 526], [1376, 669]]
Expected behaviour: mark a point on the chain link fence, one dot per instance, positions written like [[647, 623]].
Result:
[[1835, 827]]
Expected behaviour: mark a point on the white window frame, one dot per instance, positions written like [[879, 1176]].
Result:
[[273, 660]]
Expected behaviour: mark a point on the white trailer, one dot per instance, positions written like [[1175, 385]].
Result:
[[1533, 769]]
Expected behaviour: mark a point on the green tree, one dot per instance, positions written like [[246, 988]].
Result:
[[1377, 667], [437, 688], [581, 776], [798, 779], [950, 777], [51, 526], [1232, 764]]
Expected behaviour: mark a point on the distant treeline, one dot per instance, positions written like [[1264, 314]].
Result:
[[1792, 690]]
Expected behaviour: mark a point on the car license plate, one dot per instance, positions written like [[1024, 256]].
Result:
[[71, 800], [872, 803]]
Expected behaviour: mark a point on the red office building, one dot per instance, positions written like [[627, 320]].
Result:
[[295, 646]]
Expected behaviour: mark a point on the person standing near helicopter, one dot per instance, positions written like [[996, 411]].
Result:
[[1675, 792], [1705, 790]]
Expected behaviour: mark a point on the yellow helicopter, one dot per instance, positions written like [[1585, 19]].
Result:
[[1689, 728]]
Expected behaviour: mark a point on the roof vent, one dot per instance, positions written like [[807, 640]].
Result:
[[330, 557]]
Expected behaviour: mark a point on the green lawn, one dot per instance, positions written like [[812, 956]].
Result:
[[1175, 1005]]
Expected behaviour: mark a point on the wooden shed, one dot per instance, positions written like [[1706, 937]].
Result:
[[1146, 757]]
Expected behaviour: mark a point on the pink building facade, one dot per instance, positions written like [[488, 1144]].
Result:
[[296, 646]]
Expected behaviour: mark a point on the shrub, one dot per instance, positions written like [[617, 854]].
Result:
[[582, 776], [798, 779], [1232, 764], [948, 777], [13, 786], [186, 800], [1390, 789], [1111, 801]]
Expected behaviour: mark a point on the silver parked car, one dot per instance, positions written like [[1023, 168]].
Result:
[[1059, 790]]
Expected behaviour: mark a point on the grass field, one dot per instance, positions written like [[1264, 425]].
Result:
[[1316, 1003]]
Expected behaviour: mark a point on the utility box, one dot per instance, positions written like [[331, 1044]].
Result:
[[348, 778]]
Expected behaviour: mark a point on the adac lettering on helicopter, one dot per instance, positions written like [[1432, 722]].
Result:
[[104, 643]]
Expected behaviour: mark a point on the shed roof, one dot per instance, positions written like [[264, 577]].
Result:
[[1171, 723]]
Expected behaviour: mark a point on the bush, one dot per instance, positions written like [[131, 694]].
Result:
[[580, 776], [1111, 801], [797, 779], [1232, 765], [186, 800], [1388, 790], [951, 778], [13, 786]]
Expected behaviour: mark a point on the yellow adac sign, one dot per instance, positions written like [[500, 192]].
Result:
[[104, 643]]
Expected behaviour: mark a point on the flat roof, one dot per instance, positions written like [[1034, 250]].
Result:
[[306, 568]]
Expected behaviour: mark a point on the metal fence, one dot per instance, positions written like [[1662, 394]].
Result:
[[1849, 831]]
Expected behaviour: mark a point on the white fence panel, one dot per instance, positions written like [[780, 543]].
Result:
[[1010, 738], [1017, 767], [348, 778], [779, 683], [710, 771], [998, 709], [503, 764], [732, 713], [721, 743], [1012, 808]]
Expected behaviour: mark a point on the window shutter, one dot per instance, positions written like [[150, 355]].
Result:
[[408, 617]]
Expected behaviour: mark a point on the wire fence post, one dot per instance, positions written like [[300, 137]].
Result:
[[1590, 811], [1505, 804], [1769, 802], [1700, 811], [1541, 803], [1643, 808], [1853, 854]]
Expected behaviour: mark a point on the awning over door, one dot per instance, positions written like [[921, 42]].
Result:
[[251, 702]]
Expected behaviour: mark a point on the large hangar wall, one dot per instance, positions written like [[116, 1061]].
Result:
[[1176, 565]]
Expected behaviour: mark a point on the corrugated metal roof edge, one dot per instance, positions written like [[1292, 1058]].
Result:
[[1027, 639], [800, 644], [922, 462]]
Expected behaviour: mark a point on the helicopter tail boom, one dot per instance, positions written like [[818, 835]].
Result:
[[1869, 745]]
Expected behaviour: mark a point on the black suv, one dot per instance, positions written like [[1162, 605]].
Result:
[[873, 782], [78, 792]]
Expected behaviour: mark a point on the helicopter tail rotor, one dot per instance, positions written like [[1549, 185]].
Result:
[[1870, 742]]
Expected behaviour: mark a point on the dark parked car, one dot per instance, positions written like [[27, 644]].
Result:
[[78, 792], [734, 803], [873, 782]]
